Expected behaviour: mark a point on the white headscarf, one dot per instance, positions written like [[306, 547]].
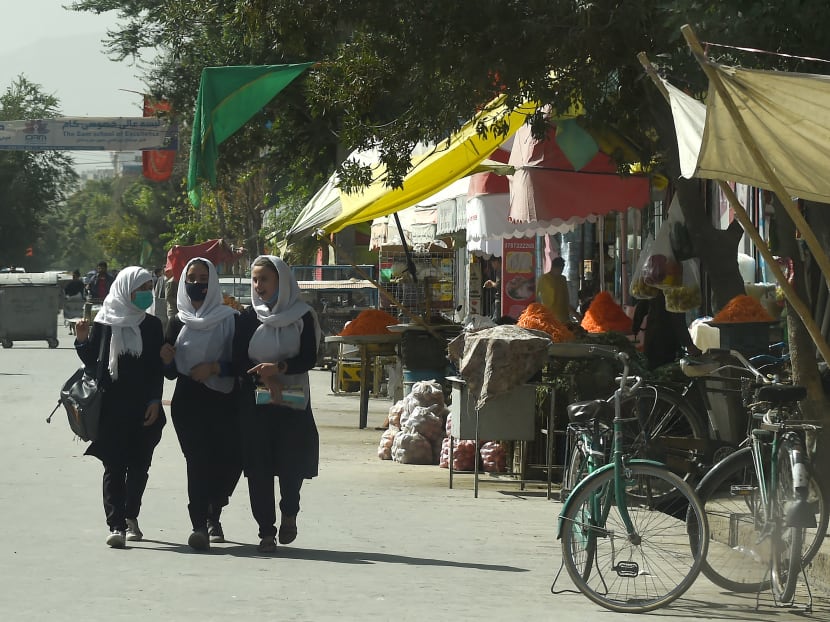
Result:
[[119, 312], [207, 334], [278, 338]]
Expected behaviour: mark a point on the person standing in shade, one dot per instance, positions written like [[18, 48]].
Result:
[[197, 354], [552, 291], [274, 347], [131, 415]]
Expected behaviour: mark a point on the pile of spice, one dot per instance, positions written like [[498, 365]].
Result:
[[537, 317], [605, 315], [742, 308], [369, 322]]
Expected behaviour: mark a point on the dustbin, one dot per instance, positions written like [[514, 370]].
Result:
[[29, 308]]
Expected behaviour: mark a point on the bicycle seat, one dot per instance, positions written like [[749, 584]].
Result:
[[694, 367], [583, 412], [781, 393]]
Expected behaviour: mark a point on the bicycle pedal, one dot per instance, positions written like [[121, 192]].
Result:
[[627, 569], [738, 490]]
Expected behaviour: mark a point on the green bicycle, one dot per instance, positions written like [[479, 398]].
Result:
[[767, 509], [625, 541]]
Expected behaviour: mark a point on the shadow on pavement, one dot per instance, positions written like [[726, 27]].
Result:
[[238, 549]]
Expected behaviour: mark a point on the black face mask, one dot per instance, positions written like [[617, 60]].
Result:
[[196, 291]]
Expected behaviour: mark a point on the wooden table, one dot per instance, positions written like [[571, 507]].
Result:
[[369, 347]]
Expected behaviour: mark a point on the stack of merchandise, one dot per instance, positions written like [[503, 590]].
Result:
[[416, 426]]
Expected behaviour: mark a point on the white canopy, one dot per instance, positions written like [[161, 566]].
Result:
[[788, 116]]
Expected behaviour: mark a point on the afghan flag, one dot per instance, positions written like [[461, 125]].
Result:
[[228, 97], [157, 165]]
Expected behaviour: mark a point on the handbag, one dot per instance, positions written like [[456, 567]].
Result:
[[82, 395]]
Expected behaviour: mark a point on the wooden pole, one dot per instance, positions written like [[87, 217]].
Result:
[[743, 218], [777, 186]]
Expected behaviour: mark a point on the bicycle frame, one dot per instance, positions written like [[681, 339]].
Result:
[[617, 462]]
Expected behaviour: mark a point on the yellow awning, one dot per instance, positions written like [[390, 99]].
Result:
[[447, 162]]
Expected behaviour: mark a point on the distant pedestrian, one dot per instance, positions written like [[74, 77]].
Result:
[[99, 285]]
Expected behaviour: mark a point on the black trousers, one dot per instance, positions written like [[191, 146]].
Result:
[[261, 491], [207, 426], [123, 490]]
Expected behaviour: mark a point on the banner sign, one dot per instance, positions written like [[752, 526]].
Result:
[[518, 275], [89, 134]]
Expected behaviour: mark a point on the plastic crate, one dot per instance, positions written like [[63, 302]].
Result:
[[748, 338]]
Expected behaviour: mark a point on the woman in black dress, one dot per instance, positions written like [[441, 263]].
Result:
[[197, 354], [131, 416], [274, 347]]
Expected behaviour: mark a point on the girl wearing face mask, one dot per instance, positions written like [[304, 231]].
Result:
[[197, 354], [274, 347], [131, 414]]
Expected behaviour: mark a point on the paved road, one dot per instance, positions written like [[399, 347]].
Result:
[[377, 540]]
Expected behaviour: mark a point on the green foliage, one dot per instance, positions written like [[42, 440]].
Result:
[[32, 184]]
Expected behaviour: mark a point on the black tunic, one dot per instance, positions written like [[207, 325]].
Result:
[[197, 402], [123, 439], [276, 440]]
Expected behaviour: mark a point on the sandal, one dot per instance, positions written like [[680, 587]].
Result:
[[288, 529]]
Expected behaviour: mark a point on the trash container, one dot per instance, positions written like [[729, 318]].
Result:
[[29, 308]]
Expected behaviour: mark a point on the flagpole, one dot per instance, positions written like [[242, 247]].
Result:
[[740, 213], [777, 186]]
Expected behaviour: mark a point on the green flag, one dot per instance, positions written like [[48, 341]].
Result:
[[228, 97]]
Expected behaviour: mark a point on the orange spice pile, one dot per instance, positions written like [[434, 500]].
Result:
[[605, 315], [369, 322], [537, 317], [742, 308]]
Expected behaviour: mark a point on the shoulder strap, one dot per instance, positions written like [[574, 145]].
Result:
[[99, 373]]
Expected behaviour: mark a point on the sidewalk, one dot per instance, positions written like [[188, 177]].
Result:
[[377, 539]]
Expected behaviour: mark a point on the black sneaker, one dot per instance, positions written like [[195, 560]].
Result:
[[117, 538], [198, 540], [267, 545], [215, 533]]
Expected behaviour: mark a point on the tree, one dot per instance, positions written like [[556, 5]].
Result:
[[32, 184]]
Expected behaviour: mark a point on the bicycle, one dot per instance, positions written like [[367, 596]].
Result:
[[662, 428], [625, 542], [767, 511]]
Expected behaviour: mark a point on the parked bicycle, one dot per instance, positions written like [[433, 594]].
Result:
[[766, 508], [625, 543], [658, 425]]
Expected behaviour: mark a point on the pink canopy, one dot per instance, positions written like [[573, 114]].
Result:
[[217, 251], [545, 186]]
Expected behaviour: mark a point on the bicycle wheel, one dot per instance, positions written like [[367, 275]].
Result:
[[787, 541], [579, 460], [738, 557], [644, 571], [666, 429], [577, 468]]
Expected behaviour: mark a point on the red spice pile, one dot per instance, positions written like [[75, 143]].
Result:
[[605, 315], [537, 317], [742, 308], [369, 322]]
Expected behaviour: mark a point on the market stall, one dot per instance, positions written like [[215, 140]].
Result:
[[369, 346]]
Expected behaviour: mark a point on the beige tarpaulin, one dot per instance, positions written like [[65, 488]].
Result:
[[788, 116]]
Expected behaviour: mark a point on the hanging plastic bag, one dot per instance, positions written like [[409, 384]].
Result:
[[661, 269], [639, 289], [687, 296]]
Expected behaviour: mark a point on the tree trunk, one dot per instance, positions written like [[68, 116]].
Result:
[[716, 248], [802, 348]]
